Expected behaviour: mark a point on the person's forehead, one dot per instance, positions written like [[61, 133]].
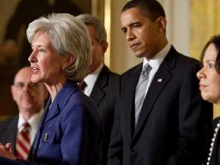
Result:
[[23, 75], [23, 81], [133, 13]]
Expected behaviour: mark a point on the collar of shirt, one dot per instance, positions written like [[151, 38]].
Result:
[[33, 121], [155, 63], [90, 80], [158, 58]]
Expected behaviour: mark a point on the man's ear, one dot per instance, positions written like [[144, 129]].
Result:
[[13, 92], [104, 46], [68, 61], [162, 23]]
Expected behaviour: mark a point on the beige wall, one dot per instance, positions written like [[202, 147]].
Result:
[[121, 57]]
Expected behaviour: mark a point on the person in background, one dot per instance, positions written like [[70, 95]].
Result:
[[102, 85], [29, 98], [160, 117], [209, 85], [71, 131]]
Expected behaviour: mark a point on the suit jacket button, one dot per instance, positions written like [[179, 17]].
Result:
[[133, 149]]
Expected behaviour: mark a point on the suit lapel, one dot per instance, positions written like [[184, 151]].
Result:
[[48, 115], [158, 83], [52, 113], [59, 103], [98, 92]]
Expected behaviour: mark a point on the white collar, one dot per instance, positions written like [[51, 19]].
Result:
[[33, 121], [90, 79], [158, 58]]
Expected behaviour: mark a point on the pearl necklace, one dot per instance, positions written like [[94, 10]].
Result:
[[212, 143]]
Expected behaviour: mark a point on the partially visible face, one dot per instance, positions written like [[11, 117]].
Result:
[[45, 62], [142, 34], [98, 50], [209, 84], [28, 96]]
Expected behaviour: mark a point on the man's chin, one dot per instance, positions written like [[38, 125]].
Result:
[[139, 55], [28, 107]]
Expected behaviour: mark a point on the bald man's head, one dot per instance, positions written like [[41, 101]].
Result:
[[29, 96]]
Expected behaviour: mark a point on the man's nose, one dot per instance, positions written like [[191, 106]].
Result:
[[130, 35]]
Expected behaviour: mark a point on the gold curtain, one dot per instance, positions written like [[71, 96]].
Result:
[[204, 23]]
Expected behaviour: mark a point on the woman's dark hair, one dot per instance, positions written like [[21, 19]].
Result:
[[215, 40]]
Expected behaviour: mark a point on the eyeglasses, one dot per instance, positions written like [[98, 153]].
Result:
[[21, 85]]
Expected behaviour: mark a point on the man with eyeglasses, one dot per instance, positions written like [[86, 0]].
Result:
[[30, 99]]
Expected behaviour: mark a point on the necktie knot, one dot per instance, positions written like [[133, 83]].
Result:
[[26, 127], [82, 85], [146, 69]]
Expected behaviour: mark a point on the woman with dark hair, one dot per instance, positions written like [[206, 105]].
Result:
[[209, 85]]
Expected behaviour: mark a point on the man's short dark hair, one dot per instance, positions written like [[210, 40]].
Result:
[[150, 8]]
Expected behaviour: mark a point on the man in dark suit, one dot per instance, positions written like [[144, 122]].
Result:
[[170, 126], [101, 84], [30, 101]]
